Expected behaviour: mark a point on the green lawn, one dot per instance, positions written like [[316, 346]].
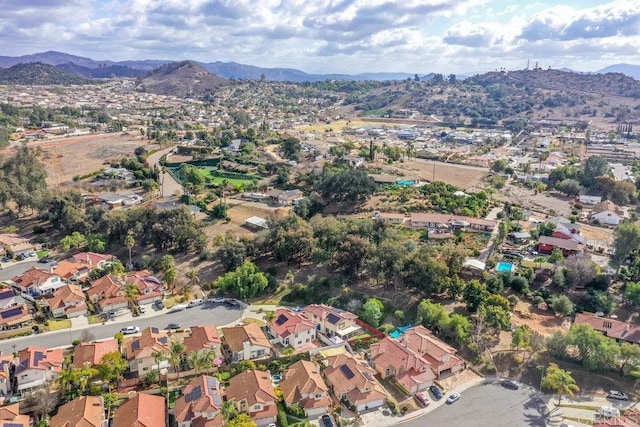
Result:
[[42, 253], [56, 325], [208, 174]]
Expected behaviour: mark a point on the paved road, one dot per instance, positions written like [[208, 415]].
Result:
[[169, 185], [488, 405], [13, 269], [212, 314]]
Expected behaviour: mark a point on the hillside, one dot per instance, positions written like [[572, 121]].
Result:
[[181, 79], [39, 74], [101, 72]]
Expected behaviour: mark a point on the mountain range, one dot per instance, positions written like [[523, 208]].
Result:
[[90, 68]]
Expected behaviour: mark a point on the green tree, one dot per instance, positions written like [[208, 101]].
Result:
[[561, 305], [594, 167], [131, 293], [170, 277], [521, 337], [176, 350], [630, 354], [291, 148], [111, 367], [158, 357], [242, 420], [474, 294], [372, 312], [232, 253], [245, 281], [129, 242], [165, 263], [632, 293], [74, 240], [24, 180], [626, 238], [560, 381]]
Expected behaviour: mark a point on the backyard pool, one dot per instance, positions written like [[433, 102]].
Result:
[[504, 267], [276, 379]]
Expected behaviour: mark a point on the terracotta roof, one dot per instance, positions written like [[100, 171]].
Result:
[[14, 315], [144, 280], [439, 218], [604, 206], [254, 386], [84, 411], [351, 375], [92, 258], [66, 295], [92, 353], [236, 336], [104, 287], [567, 244], [610, 327], [409, 367], [33, 276], [200, 398], [40, 358], [287, 322], [439, 354], [10, 416], [322, 311], [302, 380], [67, 268], [150, 340], [142, 410], [202, 337], [13, 240]]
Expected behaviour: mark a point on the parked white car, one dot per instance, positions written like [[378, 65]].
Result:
[[177, 307], [130, 330]]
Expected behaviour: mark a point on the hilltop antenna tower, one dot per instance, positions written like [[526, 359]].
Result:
[[527, 65]]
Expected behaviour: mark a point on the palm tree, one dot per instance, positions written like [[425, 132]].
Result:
[[129, 242], [560, 381], [175, 356], [193, 276], [131, 292], [159, 356], [66, 378], [201, 359], [84, 374]]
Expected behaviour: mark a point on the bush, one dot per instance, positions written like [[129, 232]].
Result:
[[38, 229]]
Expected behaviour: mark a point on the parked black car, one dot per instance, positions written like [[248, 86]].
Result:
[[326, 420], [509, 384]]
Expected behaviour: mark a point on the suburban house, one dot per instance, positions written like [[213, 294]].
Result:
[[95, 260], [607, 213], [546, 244], [441, 356], [68, 301], [107, 294], [619, 331], [410, 370], [140, 350], [302, 384], [390, 217], [71, 271], [252, 392], [352, 380], [203, 338], [333, 321], [451, 222], [200, 403], [37, 366], [16, 245], [285, 197], [8, 298], [6, 362], [142, 410], [354, 161], [291, 329], [91, 353], [235, 146], [14, 317], [83, 411], [246, 342], [10, 416], [150, 287], [589, 200], [38, 282]]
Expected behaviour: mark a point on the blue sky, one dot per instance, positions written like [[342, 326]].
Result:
[[333, 36]]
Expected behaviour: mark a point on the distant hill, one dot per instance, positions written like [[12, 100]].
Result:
[[101, 72], [39, 74], [605, 84], [180, 79], [627, 69]]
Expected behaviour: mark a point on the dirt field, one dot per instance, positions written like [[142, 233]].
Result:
[[462, 176], [238, 212], [68, 157]]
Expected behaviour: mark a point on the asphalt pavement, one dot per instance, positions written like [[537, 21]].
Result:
[[206, 314], [11, 269]]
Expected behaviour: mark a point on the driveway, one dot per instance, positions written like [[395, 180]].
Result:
[[169, 186]]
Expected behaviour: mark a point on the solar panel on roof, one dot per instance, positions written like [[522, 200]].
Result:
[[163, 340], [7, 293], [7, 314], [281, 319], [13, 425], [194, 394], [332, 318], [347, 372], [38, 357], [155, 330], [135, 345], [213, 383]]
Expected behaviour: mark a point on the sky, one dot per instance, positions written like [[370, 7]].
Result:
[[333, 36]]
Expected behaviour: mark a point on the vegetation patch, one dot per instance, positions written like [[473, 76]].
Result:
[[57, 325]]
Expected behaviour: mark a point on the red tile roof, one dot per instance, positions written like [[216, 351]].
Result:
[[92, 353], [40, 358], [287, 322], [610, 327], [202, 337], [200, 398], [84, 411], [142, 410]]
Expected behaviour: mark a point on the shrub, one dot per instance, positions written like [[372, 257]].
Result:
[[38, 229]]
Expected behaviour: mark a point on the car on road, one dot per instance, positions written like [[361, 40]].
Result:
[[326, 420], [195, 303], [177, 307], [159, 304], [297, 309], [422, 398], [142, 309], [44, 260], [509, 384], [453, 397], [173, 325], [6, 259], [232, 303], [617, 395], [437, 394], [219, 300], [130, 330]]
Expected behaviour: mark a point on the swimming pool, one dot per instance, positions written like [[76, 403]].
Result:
[[276, 379], [504, 267]]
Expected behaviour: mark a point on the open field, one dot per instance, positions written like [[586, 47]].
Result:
[[338, 125], [68, 157], [207, 174], [462, 176]]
